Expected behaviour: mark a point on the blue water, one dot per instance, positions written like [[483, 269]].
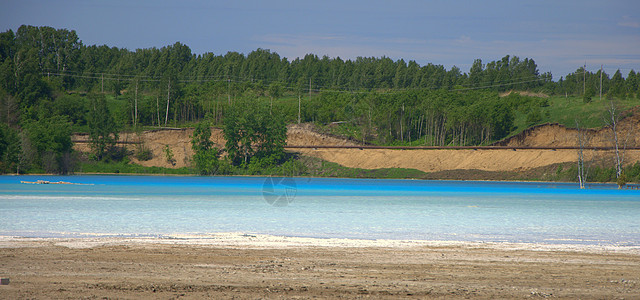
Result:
[[323, 208]]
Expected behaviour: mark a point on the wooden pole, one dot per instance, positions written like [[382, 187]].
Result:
[[166, 117], [135, 118], [600, 82], [299, 100], [401, 117], [584, 78], [309, 88], [158, 108]]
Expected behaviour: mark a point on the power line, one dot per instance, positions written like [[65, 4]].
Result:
[[499, 85], [202, 79]]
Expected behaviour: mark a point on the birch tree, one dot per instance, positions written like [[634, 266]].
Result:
[[583, 168], [619, 141]]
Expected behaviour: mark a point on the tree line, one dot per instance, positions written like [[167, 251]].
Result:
[[45, 51], [51, 84]]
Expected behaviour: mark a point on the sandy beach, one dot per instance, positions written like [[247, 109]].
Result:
[[236, 265]]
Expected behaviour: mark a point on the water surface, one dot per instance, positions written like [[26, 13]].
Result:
[[322, 208]]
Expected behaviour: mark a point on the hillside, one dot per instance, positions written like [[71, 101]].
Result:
[[559, 135], [179, 141], [548, 135]]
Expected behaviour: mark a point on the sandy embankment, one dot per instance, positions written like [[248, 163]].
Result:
[[276, 267], [442, 160], [550, 135]]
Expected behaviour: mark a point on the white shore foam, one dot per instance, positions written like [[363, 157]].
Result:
[[260, 241]]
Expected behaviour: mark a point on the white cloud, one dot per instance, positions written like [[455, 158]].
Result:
[[464, 39], [627, 21]]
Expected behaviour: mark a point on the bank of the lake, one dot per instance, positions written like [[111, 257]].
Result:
[[177, 268], [149, 237]]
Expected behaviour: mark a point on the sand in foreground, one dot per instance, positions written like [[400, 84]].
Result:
[[135, 270]]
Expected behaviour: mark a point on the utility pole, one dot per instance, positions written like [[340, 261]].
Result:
[[600, 82], [166, 117], [299, 108], [135, 118], [102, 83], [309, 88], [401, 129], [229, 90], [584, 78]]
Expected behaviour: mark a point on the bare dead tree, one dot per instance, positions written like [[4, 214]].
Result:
[[619, 142], [612, 121], [583, 168]]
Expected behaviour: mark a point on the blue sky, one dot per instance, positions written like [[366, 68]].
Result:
[[559, 35]]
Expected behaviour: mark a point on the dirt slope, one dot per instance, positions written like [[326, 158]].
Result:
[[558, 135], [492, 160], [178, 141]]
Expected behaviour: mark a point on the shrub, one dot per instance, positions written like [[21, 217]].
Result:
[[168, 155], [144, 154]]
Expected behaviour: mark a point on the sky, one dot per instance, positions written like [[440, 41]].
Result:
[[561, 36]]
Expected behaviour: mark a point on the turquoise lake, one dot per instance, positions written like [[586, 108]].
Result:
[[553, 213]]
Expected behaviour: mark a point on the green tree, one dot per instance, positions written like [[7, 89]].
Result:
[[71, 106], [501, 120], [476, 73], [275, 91], [589, 93], [617, 85], [10, 149], [168, 155], [103, 130], [50, 138], [4, 146], [631, 84], [252, 132], [206, 155]]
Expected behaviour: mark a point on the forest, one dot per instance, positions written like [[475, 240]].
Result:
[[52, 85]]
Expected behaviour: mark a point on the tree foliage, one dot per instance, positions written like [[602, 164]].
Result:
[[103, 130], [253, 132], [206, 156], [49, 138]]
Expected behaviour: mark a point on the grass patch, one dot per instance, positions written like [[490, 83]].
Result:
[[316, 167], [128, 168], [566, 110], [302, 166]]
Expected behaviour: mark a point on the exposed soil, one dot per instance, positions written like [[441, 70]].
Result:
[[558, 135], [430, 161], [524, 93], [163, 271], [179, 141]]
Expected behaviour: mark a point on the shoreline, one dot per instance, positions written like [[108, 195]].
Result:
[[240, 240], [235, 265], [312, 177]]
